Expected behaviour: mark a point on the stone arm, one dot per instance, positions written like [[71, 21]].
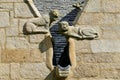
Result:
[[72, 54]]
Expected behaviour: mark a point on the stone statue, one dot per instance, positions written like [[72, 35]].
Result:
[[77, 32], [41, 24]]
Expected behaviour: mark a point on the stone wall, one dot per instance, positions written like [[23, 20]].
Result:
[[22, 57], [99, 59]]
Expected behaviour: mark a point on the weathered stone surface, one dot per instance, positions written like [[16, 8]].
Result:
[[8, 6], [118, 18], [105, 46], [15, 55], [2, 38], [109, 71], [4, 19], [109, 18], [84, 46], [34, 70], [11, 1], [110, 35], [101, 58], [15, 70], [36, 38], [14, 23], [21, 25], [111, 5], [90, 18], [87, 70], [17, 43], [12, 31], [4, 71], [93, 6], [22, 10], [35, 55]]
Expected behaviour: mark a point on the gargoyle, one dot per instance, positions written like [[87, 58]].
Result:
[[77, 32]]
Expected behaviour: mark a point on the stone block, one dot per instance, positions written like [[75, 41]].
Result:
[[8, 6], [2, 38], [109, 18], [90, 18], [36, 38], [34, 70], [35, 55], [17, 43], [4, 19], [100, 58], [4, 71], [7, 1], [15, 71], [12, 31], [14, 23], [109, 71], [15, 55], [22, 10], [84, 46], [110, 5], [110, 46], [110, 35], [118, 18], [93, 6], [87, 70]]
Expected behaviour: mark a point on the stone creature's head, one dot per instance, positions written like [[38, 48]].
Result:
[[54, 14], [78, 5], [63, 26]]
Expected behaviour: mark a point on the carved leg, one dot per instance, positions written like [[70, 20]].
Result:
[[72, 54], [49, 52]]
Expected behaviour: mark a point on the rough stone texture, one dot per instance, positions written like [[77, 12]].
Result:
[[4, 71], [36, 38], [118, 18], [15, 70], [22, 10], [36, 55], [12, 31], [2, 38], [93, 6], [15, 55], [11, 1], [111, 5], [34, 70], [87, 70], [4, 19], [8, 6], [17, 43], [105, 46]]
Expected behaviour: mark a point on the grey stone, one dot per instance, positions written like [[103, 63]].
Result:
[[34, 70], [4, 19], [105, 46], [4, 71], [14, 43], [22, 10]]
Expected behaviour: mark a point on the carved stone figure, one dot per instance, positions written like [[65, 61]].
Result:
[[78, 5], [41, 24], [77, 32]]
